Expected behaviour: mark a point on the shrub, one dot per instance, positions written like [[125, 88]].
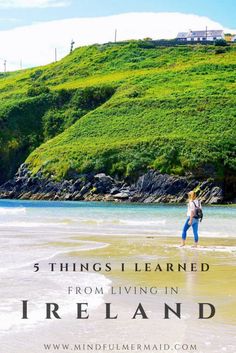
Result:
[[221, 43], [37, 90], [220, 50], [91, 97]]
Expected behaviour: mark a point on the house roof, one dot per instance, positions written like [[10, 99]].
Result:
[[182, 35], [192, 34], [210, 33]]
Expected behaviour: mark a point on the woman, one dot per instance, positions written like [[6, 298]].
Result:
[[191, 221]]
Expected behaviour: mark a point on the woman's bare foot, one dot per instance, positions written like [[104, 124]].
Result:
[[183, 244], [195, 245]]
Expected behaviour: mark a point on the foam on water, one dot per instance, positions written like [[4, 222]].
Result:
[[38, 298], [47, 252], [144, 222], [224, 249], [124, 222], [31, 224], [12, 211]]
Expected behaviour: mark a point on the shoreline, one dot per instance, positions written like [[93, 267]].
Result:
[[114, 202]]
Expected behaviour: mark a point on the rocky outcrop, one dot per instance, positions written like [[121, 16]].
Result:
[[150, 187]]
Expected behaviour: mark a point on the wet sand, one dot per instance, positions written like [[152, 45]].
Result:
[[112, 244], [216, 286]]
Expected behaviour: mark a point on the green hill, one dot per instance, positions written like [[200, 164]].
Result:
[[123, 108]]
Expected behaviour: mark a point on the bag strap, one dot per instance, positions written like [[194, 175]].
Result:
[[196, 205]]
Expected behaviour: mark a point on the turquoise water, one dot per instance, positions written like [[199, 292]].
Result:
[[110, 218]]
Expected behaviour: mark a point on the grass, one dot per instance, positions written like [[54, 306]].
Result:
[[122, 109]]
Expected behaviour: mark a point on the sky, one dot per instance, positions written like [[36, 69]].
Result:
[[30, 30]]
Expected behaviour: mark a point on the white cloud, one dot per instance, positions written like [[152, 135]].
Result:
[[35, 44], [32, 3]]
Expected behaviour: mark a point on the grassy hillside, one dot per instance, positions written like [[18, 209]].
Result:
[[122, 109]]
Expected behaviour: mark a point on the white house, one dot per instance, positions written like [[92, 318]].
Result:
[[233, 39], [200, 36]]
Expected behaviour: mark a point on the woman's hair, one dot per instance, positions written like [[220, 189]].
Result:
[[192, 195]]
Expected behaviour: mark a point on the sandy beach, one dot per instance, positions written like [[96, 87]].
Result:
[[102, 241]]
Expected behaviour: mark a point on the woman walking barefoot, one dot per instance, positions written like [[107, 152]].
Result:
[[192, 221]]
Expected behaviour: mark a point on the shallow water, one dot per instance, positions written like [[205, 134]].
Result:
[[100, 217], [99, 233]]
